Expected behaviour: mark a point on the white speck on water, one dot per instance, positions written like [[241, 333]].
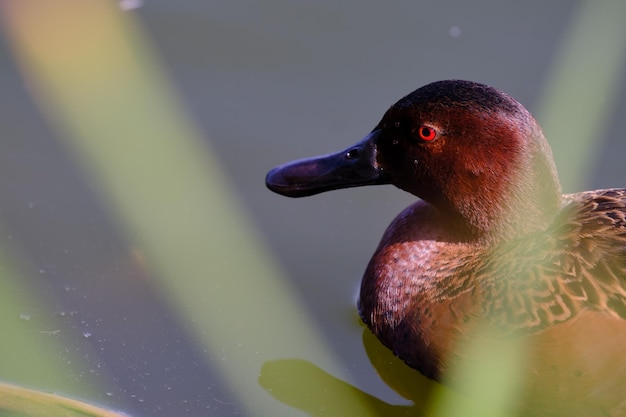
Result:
[[86, 335], [24, 316], [130, 4], [455, 31], [42, 271]]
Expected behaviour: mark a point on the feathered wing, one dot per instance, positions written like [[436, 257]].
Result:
[[578, 264]]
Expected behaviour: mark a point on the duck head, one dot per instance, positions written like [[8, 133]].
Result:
[[470, 150]]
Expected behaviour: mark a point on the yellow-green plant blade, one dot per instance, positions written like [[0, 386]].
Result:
[[28, 402], [581, 87]]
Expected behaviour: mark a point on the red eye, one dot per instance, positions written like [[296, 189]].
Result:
[[427, 133]]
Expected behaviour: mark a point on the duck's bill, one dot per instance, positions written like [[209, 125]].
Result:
[[353, 167]]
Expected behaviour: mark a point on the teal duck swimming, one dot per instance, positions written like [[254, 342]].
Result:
[[491, 242]]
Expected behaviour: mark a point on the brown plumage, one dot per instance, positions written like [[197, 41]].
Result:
[[492, 244]]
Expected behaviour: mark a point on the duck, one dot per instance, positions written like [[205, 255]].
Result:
[[491, 248]]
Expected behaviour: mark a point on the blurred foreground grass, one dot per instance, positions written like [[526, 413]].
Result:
[[26, 402]]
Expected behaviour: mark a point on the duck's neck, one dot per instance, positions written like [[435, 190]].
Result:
[[524, 202]]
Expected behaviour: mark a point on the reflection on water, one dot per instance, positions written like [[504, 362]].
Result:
[[404, 380], [302, 385]]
